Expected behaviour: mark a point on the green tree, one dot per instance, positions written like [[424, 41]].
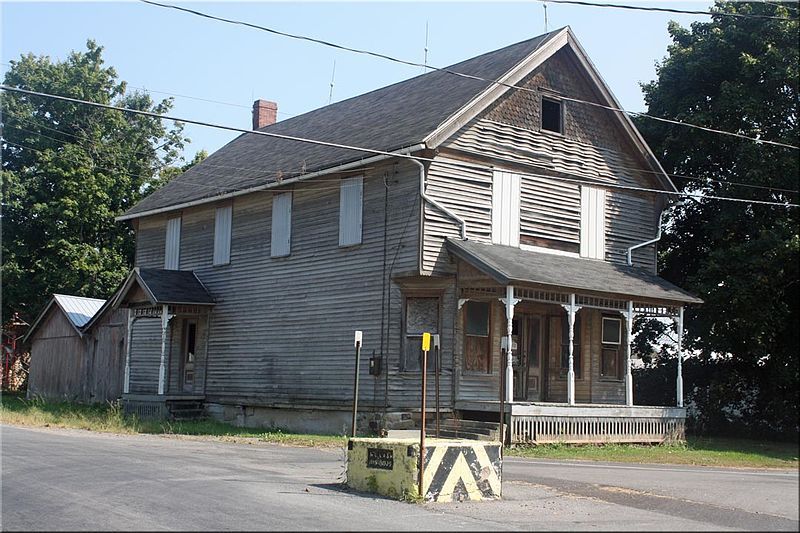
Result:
[[67, 170], [738, 75]]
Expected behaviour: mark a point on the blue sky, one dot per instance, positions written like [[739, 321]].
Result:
[[178, 53]]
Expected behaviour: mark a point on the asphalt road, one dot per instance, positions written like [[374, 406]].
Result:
[[76, 480]]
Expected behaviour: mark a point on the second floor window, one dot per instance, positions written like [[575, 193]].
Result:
[[281, 241], [351, 199], [593, 222], [222, 235], [505, 208], [551, 115], [172, 245]]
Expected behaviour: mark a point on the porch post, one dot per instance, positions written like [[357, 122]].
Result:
[[162, 367], [571, 366], [628, 375], [679, 384], [126, 384], [510, 302]]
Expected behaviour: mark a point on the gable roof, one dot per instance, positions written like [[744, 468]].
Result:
[[509, 265], [78, 310], [410, 115], [164, 287]]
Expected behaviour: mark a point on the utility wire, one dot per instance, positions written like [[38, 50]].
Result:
[[381, 152], [261, 170], [669, 10], [450, 71]]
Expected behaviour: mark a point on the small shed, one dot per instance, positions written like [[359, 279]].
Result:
[[77, 350]]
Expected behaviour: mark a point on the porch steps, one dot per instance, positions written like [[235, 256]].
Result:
[[455, 428], [186, 409]]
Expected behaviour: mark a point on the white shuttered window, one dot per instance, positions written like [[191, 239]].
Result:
[[593, 222], [505, 208], [222, 235], [172, 246], [351, 201], [281, 224]]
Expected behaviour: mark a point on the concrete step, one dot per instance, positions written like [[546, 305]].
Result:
[[449, 434]]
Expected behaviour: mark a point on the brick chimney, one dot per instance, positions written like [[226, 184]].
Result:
[[264, 113]]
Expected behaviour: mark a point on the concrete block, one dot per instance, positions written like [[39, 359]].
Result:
[[455, 470]]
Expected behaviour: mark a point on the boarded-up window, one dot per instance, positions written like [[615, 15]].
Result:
[[281, 243], [421, 316], [477, 343], [610, 365], [505, 208], [593, 214], [172, 247], [351, 199], [222, 235], [577, 360]]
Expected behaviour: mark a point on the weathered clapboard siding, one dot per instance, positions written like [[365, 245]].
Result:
[[145, 355], [468, 192], [58, 360], [550, 210], [151, 237], [107, 352], [631, 219], [281, 332]]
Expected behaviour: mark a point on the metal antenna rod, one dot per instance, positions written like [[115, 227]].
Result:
[[544, 4], [425, 62], [333, 75]]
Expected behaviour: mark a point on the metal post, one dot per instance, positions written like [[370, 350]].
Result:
[[628, 375], [126, 384], [357, 343], [503, 351], [437, 355], [679, 388], [162, 367], [426, 345]]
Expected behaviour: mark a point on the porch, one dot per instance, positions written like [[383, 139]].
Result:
[[557, 343], [546, 423]]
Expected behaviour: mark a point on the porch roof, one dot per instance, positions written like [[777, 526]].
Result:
[[509, 265], [166, 287]]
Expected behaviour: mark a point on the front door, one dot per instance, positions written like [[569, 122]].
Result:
[[188, 355], [526, 361]]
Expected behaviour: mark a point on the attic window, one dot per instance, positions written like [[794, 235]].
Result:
[[551, 115]]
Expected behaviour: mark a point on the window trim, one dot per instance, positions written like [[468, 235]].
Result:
[[489, 343], [439, 295]]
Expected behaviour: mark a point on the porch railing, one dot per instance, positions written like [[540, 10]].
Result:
[[538, 429]]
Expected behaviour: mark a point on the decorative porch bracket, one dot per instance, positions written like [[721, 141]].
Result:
[[679, 384], [571, 310], [509, 301], [628, 314]]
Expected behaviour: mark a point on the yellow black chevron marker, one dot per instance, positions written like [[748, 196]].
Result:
[[462, 472]]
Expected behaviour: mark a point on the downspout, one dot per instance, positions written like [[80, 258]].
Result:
[[436, 204], [646, 243]]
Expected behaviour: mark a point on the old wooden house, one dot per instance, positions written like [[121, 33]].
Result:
[[77, 352], [498, 203]]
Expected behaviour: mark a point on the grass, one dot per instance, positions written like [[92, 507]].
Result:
[[697, 451], [109, 418]]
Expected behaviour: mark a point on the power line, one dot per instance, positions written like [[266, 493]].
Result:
[[670, 10], [453, 72], [379, 152], [261, 170]]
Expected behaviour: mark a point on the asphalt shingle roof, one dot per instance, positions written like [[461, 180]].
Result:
[[387, 119], [174, 286], [509, 265]]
